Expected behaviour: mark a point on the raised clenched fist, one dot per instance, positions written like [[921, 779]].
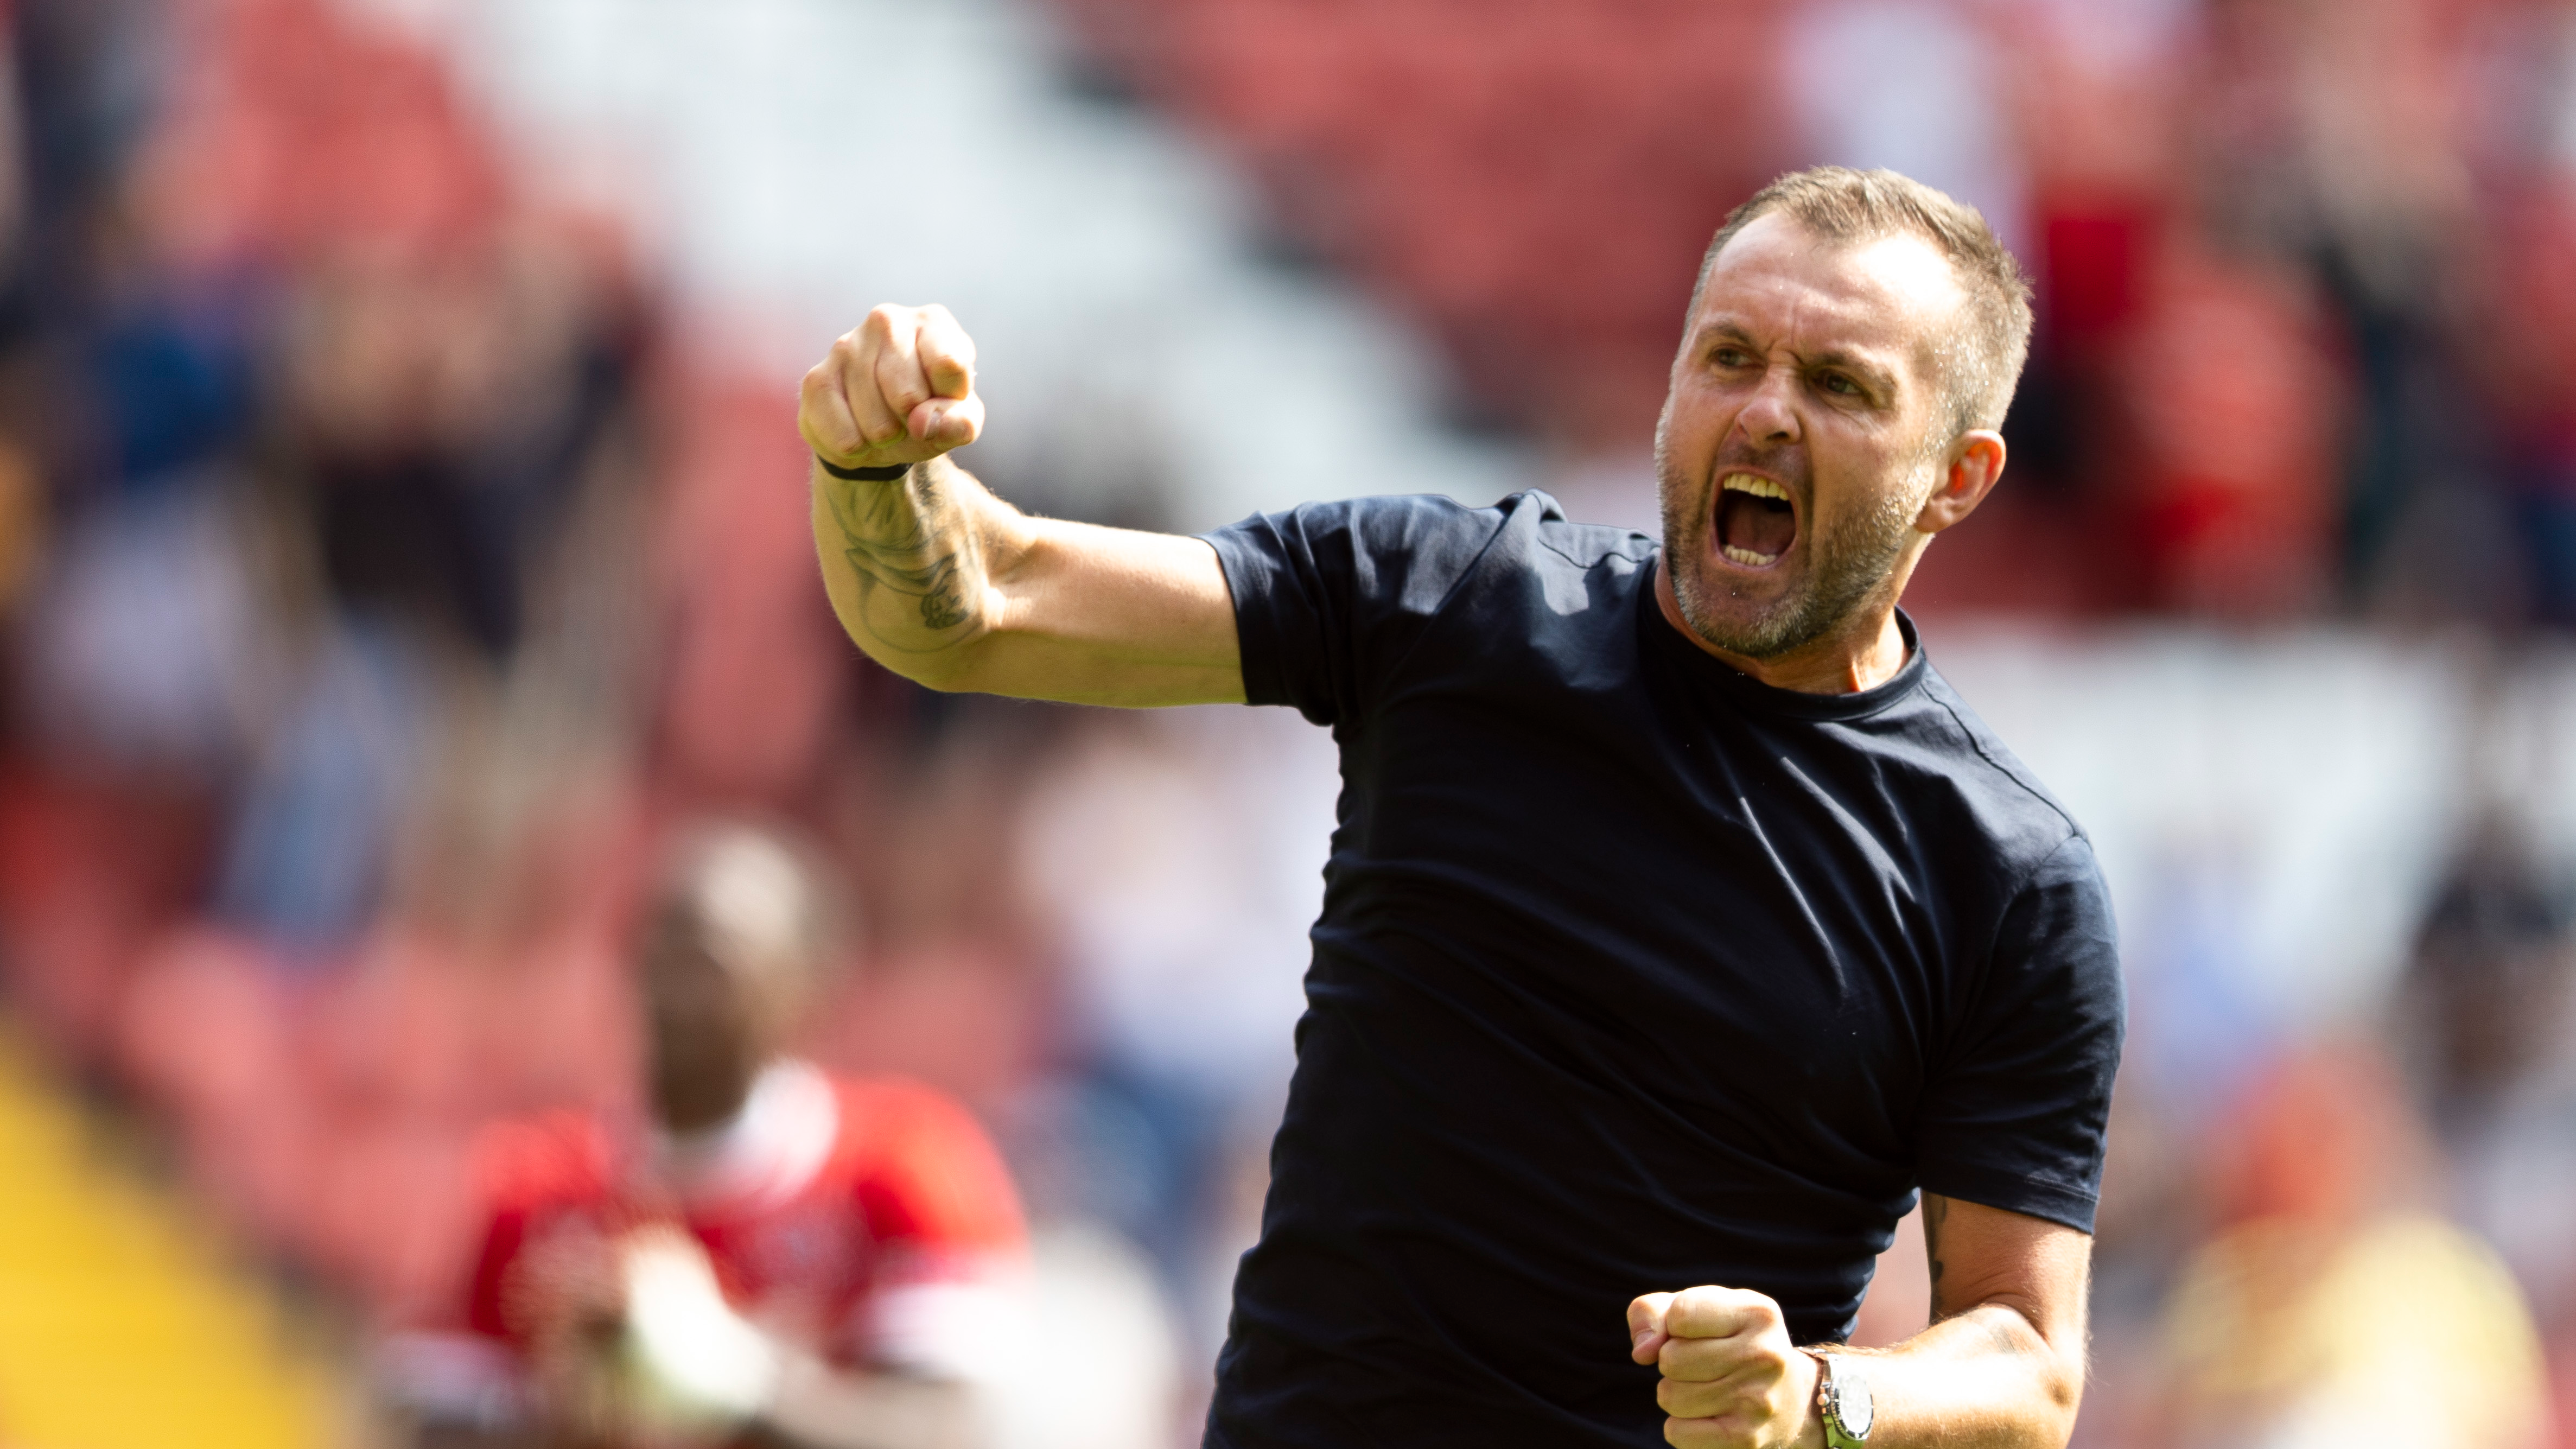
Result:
[[897, 388], [1732, 1379]]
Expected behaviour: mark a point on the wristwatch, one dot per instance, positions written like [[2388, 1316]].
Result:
[[1842, 1401]]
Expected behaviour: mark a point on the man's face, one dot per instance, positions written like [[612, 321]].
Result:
[[1805, 429], [703, 1033]]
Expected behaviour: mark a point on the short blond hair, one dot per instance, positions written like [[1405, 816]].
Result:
[[1839, 204]]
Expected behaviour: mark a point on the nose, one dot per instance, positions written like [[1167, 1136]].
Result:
[[1770, 416]]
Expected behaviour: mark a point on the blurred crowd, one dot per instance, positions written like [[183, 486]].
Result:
[[389, 580], [2304, 320], [387, 587]]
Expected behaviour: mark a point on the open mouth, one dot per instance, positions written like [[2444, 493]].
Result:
[[1756, 523]]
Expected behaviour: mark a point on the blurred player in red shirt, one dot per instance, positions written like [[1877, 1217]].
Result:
[[776, 1257]]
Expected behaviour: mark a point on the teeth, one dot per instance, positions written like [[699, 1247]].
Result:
[[1757, 486], [1748, 556]]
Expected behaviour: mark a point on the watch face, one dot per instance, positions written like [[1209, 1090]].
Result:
[[1851, 1400]]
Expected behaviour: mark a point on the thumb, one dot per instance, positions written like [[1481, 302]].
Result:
[[1646, 1334], [948, 422]]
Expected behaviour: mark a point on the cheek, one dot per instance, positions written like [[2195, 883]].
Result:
[[1857, 478], [1694, 417]]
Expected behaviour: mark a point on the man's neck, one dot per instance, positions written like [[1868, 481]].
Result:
[[1863, 655]]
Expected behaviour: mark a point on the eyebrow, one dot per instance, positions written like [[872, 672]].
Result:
[[1871, 372]]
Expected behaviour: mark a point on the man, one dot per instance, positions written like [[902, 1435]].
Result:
[[777, 1257], [1681, 921]]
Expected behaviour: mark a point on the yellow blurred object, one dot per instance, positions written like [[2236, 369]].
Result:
[[2403, 1331], [120, 1328]]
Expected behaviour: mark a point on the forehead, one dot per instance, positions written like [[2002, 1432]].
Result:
[[1892, 297]]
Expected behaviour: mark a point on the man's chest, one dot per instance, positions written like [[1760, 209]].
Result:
[[1714, 890]]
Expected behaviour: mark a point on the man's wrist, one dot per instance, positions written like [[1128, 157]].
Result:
[[1844, 1404], [1811, 1412]]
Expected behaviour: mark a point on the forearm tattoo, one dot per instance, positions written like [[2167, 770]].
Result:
[[905, 538]]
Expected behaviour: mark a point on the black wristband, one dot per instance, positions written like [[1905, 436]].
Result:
[[862, 475]]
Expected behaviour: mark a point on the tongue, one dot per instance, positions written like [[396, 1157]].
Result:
[[1764, 525]]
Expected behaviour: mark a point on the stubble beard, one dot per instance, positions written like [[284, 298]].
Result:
[[1843, 568]]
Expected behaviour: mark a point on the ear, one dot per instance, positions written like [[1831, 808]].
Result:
[[1975, 461]]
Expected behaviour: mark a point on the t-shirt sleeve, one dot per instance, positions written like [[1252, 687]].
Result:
[[1328, 597], [2014, 1115]]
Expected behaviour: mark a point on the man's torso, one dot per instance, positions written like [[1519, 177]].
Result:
[[1631, 975]]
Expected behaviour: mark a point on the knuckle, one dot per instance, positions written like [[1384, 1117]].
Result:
[[1695, 1308], [900, 385]]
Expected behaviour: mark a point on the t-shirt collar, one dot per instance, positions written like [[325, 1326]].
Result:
[[1796, 704]]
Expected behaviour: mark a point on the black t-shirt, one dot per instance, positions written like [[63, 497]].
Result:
[[1633, 973]]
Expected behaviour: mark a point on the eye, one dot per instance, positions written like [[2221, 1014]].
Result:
[[1839, 385], [1730, 355]]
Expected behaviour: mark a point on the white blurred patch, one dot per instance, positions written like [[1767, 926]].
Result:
[[1908, 85], [695, 1360], [1107, 1373], [755, 896], [145, 642], [1179, 855]]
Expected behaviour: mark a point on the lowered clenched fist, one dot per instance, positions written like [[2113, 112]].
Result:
[[1732, 1379], [898, 388]]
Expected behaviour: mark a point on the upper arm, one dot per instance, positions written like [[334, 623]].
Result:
[[1984, 1256], [1307, 608], [1109, 616]]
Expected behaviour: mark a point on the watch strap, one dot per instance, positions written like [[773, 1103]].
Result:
[[862, 475]]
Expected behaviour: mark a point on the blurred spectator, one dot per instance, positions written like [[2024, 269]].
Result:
[[2331, 1309], [2488, 984], [772, 1255], [2485, 1012]]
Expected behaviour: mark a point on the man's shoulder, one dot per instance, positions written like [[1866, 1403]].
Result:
[[2024, 822], [924, 1156], [1402, 562], [1529, 527]]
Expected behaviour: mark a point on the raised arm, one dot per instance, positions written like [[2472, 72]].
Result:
[[2002, 1363], [947, 585]]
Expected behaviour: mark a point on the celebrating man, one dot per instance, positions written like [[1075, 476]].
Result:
[[1681, 922]]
